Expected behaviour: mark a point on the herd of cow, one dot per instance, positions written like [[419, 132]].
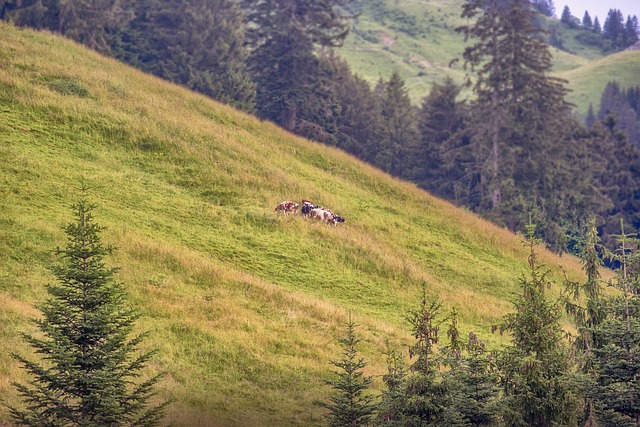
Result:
[[311, 210]]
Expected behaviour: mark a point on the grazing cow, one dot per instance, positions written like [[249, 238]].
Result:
[[287, 207], [307, 207], [326, 215]]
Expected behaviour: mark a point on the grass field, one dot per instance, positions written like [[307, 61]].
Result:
[[244, 305]]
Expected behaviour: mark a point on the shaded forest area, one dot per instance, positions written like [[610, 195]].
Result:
[[515, 150]]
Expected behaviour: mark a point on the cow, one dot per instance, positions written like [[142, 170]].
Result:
[[307, 207], [326, 215], [287, 206]]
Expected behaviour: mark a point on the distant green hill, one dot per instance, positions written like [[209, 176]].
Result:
[[244, 305], [418, 39]]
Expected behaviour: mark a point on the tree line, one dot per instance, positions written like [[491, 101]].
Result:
[[616, 33], [513, 149], [542, 378]]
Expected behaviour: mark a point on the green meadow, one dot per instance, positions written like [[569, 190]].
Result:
[[244, 305], [417, 39]]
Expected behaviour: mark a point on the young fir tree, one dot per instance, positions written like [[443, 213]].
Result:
[[390, 410], [616, 358], [350, 405], [533, 366], [588, 319], [86, 375], [470, 380], [426, 396]]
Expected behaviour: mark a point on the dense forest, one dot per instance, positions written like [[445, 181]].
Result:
[[514, 150]]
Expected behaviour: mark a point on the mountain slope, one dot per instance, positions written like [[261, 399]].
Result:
[[244, 305], [417, 38]]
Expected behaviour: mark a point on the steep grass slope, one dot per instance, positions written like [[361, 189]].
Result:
[[245, 306]]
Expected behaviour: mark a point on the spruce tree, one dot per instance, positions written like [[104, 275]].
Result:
[[470, 380], [293, 85], [391, 408], [350, 405], [89, 363], [400, 122], [587, 23], [533, 366], [196, 43], [616, 358], [426, 396], [596, 26]]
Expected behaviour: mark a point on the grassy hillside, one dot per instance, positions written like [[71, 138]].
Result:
[[245, 306], [588, 81], [417, 39]]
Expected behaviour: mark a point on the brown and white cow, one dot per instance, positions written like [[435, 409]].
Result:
[[326, 215], [287, 206]]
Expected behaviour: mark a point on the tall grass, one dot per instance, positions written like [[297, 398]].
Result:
[[244, 305]]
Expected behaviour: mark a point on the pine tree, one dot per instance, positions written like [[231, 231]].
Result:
[[596, 26], [613, 28], [616, 359], [393, 402], [631, 31], [471, 380], [400, 123], [285, 37], [440, 118], [587, 23], [520, 115], [426, 396], [568, 19], [350, 406], [533, 365], [196, 43], [88, 362]]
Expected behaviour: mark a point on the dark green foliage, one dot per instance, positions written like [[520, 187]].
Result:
[[426, 397], [435, 164], [533, 366], [196, 43], [87, 21], [568, 19], [517, 126], [545, 7], [613, 29], [631, 31], [391, 408], [293, 85], [350, 406], [471, 380], [596, 26], [587, 23], [616, 358], [400, 123], [88, 362]]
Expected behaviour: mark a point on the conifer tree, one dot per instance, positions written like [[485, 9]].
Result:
[[350, 405], [285, 38], [616, 358], [533, 366], [520, 114], [196, 43], [391, 408], [587, 23], [426, 396], [471, 380], [89, 363], [440, 118], [596, 26], [400, 122]]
